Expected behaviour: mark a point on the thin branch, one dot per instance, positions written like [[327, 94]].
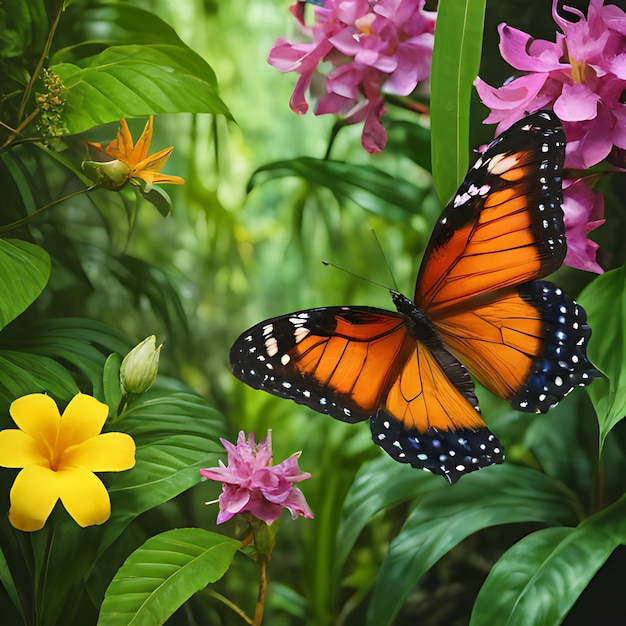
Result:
[[35, 75]]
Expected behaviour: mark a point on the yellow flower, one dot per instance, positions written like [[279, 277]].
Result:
[[59, 455], [142, 169]]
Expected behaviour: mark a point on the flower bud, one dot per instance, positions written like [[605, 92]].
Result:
[[140, 366], [112, 174]]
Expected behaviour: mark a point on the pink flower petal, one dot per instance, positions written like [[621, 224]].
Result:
[[576, 103]]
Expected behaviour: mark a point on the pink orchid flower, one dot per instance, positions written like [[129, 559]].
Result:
[[582, 76], [374, 47], [583, 212], [252, 483]]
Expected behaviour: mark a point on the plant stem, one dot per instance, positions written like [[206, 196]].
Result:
[[27, 219], [260, 602], [42, 58], [229, 604]]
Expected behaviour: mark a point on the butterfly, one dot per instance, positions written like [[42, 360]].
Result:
[[478, 307]]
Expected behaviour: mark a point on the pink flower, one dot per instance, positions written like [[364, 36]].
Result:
[[375, 46], [252, 483], [583, 211], [582, 76]]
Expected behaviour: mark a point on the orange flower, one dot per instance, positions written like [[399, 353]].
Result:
[[129, 161]]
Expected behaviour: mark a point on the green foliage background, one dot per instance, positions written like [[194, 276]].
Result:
[[263, 204]]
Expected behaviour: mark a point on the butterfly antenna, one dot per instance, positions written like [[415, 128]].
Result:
[[367, 280], [382, 252]]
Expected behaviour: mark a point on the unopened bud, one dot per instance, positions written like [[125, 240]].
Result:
[[109, 174], [140, 366]]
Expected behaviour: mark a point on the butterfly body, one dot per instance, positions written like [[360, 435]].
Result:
[[478, 307]]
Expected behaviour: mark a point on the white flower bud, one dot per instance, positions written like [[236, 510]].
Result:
[[140, 366]]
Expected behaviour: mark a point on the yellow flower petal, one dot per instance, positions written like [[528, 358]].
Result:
[[18, 449], [142, 147], [37, 415], [33, 496], [122, 146], [84, 497], [111, 452], [82, 419]]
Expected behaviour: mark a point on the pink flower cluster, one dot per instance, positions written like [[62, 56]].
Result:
[[252, 483], [582, 76], [374, 46]]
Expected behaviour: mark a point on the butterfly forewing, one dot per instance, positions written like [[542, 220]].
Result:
[[335, 360], [504, 226]]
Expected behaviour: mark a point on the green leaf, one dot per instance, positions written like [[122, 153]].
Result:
[[442, 519], [24, 272], [111, 382], [456, 60], [367, 186], [538, 580], [112, 24], [604, 300], [23, 27], [176, 433], [70, 340], [411, 139], [158, 198], [22, 373], [380, 484], [162, 574], [132, 81]]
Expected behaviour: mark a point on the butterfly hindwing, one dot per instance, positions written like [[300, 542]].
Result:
[[430, 417]]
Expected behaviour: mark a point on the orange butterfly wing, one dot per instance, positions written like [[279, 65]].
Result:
[[523, 339], [504, 226]]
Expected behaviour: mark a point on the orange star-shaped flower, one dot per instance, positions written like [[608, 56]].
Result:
[[131, 162], [58, 455]]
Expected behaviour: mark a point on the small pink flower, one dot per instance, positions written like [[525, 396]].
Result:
[[582, 76], [375, 46], [252, 483], [583, 212]]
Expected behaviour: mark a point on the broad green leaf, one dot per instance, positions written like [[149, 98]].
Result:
[[24, 272], [22, 373], [456, 60], [176, 433], [604, 300], [162, 574], [538, 580], [367, 186], [112, 24], [72, 340], [132, 81], [379, 485], [442, 519]]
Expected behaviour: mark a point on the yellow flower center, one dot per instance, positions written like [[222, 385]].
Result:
[[580, 70], [364, 24]]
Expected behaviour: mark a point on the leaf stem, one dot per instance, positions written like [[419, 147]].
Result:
[[30, 216], [230, 605]]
